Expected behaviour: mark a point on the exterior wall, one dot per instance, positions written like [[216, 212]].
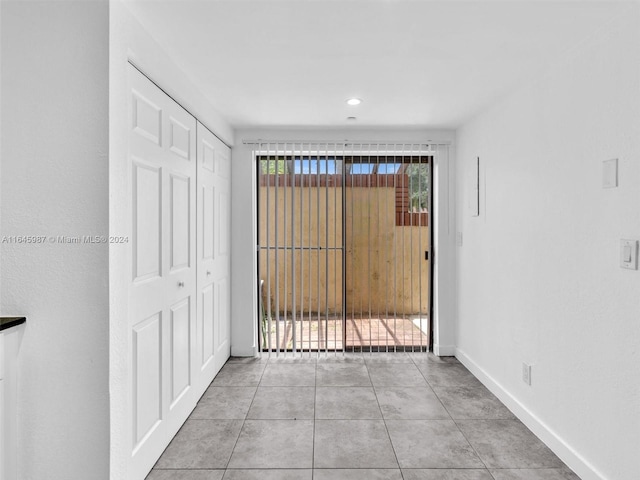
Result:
[[382, 259]]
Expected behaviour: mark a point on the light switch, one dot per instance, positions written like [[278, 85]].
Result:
[[610, 173], [629, 254]]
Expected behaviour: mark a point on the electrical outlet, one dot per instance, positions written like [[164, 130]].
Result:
[[459, 239], [526, 373]]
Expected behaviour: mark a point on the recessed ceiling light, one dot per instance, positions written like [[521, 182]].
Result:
[[354, 101]]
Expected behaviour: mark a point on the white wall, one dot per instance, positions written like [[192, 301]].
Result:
[[129, 41], [538, 273], [243, 228], [54, 182]]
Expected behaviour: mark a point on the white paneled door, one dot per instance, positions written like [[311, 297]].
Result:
[[178, 291], [162, 298], [213, 253]]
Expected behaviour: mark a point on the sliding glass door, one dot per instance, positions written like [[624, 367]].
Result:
[[343, 247]]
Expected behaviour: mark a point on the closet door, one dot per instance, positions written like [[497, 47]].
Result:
[[162, 290], [213, 254]]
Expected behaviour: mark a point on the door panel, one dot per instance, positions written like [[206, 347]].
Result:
[[223, 219], [208, 156], [180, 219], [147, 213], [180, 349], [147, 348], [147, 118], [180, 139], [386, 236], [206, 322], [223, 305], [213, 253], [221, 263], [162, 291], [208, 220], [222, 165]]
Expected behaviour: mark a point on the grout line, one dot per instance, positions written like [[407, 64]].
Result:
[[470, 444], [313, 438], [245, 419], [384, 421], [491, 474], [453, 420]]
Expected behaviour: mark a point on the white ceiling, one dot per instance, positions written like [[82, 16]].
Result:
[[414, 63]]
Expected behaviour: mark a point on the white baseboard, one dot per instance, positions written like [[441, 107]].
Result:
[[561, 448], [444, 350]]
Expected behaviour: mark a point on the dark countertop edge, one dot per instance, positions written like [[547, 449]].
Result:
[[8, 322]]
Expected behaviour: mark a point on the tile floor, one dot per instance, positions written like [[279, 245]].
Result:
[[355, 417]]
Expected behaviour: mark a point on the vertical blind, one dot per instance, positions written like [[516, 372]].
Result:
[[344, 246]]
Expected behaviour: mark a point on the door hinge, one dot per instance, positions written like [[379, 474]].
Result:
[[426, 255]]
